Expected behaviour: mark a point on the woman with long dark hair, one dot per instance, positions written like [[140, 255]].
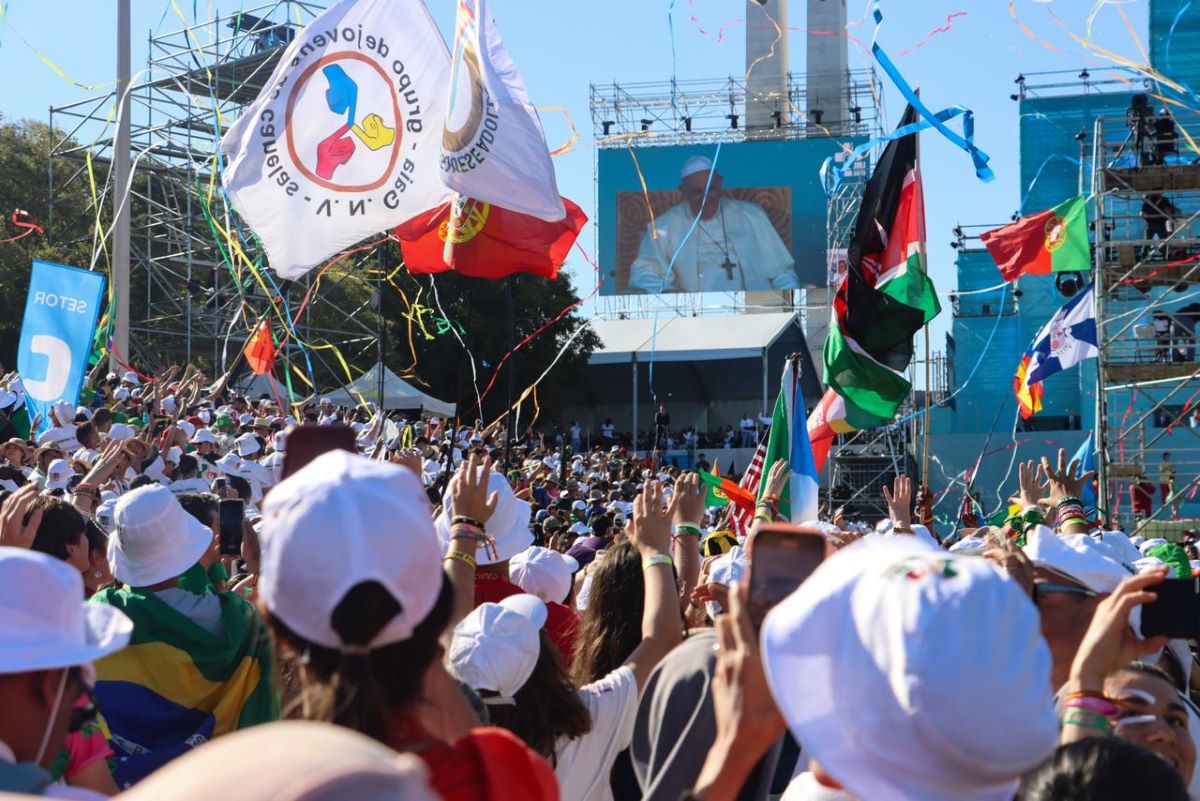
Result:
[[352, 587], [583, 726]]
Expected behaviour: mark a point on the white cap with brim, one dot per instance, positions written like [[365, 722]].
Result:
[[341, 521], [153, 538], [508, 525], [119, 432], [877, 661], [496, 647], [543, 572], [247, 445], [203, 436], [694, 165], [131, 377], [44, 623], [59, 474]]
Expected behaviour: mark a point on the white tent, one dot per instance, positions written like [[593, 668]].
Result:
[[398, 394]]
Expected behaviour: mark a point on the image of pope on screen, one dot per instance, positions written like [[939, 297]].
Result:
[[733, 247]]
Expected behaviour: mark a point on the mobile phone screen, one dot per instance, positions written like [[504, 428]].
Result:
[[780, 562], [232, 512], [1176, 613]]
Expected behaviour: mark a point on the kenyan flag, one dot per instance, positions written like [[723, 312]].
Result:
[[886, 296], [1054, 241]]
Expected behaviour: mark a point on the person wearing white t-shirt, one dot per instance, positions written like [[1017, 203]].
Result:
[[503, 652]]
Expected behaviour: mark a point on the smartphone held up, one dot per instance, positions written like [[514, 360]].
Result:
[[781, 557]]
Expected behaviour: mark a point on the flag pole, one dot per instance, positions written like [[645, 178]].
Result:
[[928, 366]]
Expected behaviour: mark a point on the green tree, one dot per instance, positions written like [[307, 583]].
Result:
[[24, 158]]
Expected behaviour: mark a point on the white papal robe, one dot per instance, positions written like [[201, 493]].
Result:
[[740, 232]]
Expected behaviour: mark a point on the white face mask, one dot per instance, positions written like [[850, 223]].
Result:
[[62, 686]]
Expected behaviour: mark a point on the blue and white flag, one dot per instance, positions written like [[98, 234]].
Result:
[[56, 335], [788, 439], [1068, 339], [1086, 456]]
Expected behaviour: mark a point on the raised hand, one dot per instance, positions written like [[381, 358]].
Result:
[[1062, 481], [1032, 489], [689, 499], [651, 530], [899, 502], [468, 489], [15, 532], [777, 478], [1109, 642]]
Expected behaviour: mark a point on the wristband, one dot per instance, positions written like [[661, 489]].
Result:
[[687, 528], [657, 559], [1073, 521], [1087, 719], [1070, 499], [1092, 703], [469, 521], [462, 557]]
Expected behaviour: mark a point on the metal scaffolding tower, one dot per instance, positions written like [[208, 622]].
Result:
[[191, 298], [1147, 263]]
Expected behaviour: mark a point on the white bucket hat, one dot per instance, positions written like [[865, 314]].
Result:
[[544, 573], [1094, 564], [899, 666], [340, 521], [130, 377], [247, 445], [153, 538], [509, 524], [44, 623], [63, 413], [204, 435], [187, 428], [496, 647]]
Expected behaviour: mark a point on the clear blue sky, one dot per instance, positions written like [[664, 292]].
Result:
[[562, 47]]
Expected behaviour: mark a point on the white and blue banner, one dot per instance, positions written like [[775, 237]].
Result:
[[56, 335]]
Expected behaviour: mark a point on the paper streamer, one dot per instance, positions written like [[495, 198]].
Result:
[[831, 173]]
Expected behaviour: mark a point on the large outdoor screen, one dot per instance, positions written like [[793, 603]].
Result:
[[758, 225]]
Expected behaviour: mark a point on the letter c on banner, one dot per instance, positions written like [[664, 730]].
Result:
[[58, 368]]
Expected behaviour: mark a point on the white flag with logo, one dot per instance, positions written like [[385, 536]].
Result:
[[493, 148], [342, 143]]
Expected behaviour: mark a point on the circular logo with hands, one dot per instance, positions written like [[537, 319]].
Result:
[[336, 141]]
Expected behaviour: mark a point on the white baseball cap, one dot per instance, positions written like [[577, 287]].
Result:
[[63, 413], [581, 529], [496, 647], [897, 665], [245, 418], [153, 538], [131, 377], [543, 572], [44, 623], [247, 445], [173, 454], [121, 394], [204, 435], [205, 416], [578, 506], [59, 474], [187, 428], [339, 522], [280, 442], [119, 432], [508, 525]]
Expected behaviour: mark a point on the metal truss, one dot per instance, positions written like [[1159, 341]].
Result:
[[709, 111], [191, 299], [1148, 378]]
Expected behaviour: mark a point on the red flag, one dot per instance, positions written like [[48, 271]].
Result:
[[487, 241], [260, 350]]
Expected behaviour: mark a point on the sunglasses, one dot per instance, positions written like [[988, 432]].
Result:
[[1049, 587]]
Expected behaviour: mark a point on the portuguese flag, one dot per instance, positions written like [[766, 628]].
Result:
[[1054, 241], [722, 492], [886, 295]]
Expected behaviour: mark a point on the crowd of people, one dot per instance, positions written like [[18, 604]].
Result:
[[418, 615]]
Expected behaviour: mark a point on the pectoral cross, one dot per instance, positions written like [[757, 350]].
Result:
[[728, 267]]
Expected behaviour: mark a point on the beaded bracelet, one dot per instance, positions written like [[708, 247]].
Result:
[[483, 540]]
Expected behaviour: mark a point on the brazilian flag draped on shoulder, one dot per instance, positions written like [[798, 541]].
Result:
[[176, 685]]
